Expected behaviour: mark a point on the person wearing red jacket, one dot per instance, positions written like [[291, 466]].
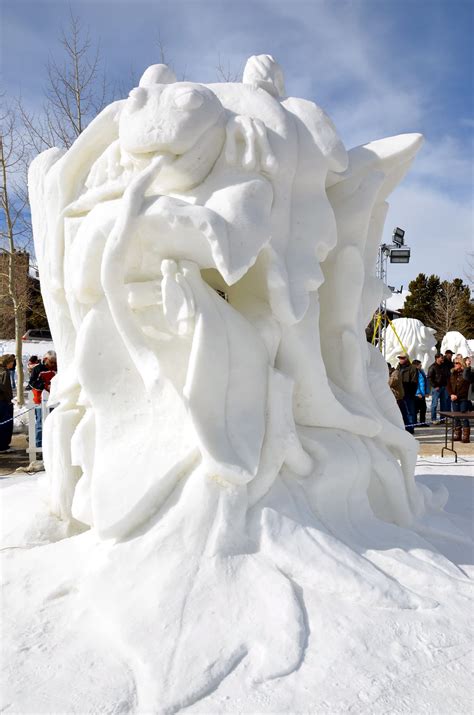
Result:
[[40, 379]]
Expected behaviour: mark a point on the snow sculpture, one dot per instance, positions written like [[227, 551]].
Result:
[[455, 341], [207, 259], [413, 337]]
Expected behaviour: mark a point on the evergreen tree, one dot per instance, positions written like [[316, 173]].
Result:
[[423, 293], [465, 316]]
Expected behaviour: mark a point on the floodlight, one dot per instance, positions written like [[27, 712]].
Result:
[[398, 236], [400, 255]]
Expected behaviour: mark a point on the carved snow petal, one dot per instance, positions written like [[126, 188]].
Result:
[[227, 405]]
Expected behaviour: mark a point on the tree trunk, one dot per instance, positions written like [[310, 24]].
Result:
[[20, 378]]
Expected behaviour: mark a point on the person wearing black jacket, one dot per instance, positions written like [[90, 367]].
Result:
[[42, 374], [409, 375], [448, 359], [6, 406], [438, 376]]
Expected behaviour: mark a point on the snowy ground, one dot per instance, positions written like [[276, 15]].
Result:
[[30, 347], [59, 658]]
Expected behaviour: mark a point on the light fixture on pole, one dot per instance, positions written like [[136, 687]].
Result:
[[398, 236], [396, 252], [399, 255]]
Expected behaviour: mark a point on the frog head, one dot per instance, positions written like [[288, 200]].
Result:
[[162, 115]]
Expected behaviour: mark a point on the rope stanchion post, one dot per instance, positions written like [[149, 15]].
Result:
[[32, 448]]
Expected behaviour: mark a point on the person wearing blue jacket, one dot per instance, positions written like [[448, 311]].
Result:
[[420, 396]]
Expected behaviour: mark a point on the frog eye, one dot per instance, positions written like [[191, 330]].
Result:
[[188, 99], [138, 97]]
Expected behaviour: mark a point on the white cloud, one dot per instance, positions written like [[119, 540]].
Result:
[[357, 59], [439, 230], [447, 160]]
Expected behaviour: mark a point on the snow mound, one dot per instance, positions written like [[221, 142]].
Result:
[[313, 623]]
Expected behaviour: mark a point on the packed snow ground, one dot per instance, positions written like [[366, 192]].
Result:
[[59, 658], [30, 347]]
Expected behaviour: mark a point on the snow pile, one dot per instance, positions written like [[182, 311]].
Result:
[[410, 336], [364, 648], [455, 341], [396, 301], [21, 417], [30, 347]]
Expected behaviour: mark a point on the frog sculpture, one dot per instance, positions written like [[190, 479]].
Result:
[[174, 192], [207, 260]]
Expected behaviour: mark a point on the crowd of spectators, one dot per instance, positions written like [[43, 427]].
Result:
[[40, 374], [450, 381]]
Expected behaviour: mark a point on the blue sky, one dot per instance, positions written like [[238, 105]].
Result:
[[378, 67]]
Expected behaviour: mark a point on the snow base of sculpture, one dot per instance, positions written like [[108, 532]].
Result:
[[208, 586]]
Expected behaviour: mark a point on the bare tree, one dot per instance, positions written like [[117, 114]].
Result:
[[225, 73], [161, 47], [452, 309], [469, 271], [166, 60], [132, 78], [76, 90], [15, 232]]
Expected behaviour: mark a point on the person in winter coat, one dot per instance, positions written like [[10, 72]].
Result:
[[40, 379], [12, 372], [438, 375], [409, 375], [468, 374], [458, 388], [6, 407], [396, 385], [448, 359], [32, 363], [420, 396]]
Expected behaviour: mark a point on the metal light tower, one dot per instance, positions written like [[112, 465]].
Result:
[[397, 252]]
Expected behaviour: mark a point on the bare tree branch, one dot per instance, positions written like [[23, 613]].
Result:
[[225, 73], [75, 92], [451, 310], [12, 153]]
